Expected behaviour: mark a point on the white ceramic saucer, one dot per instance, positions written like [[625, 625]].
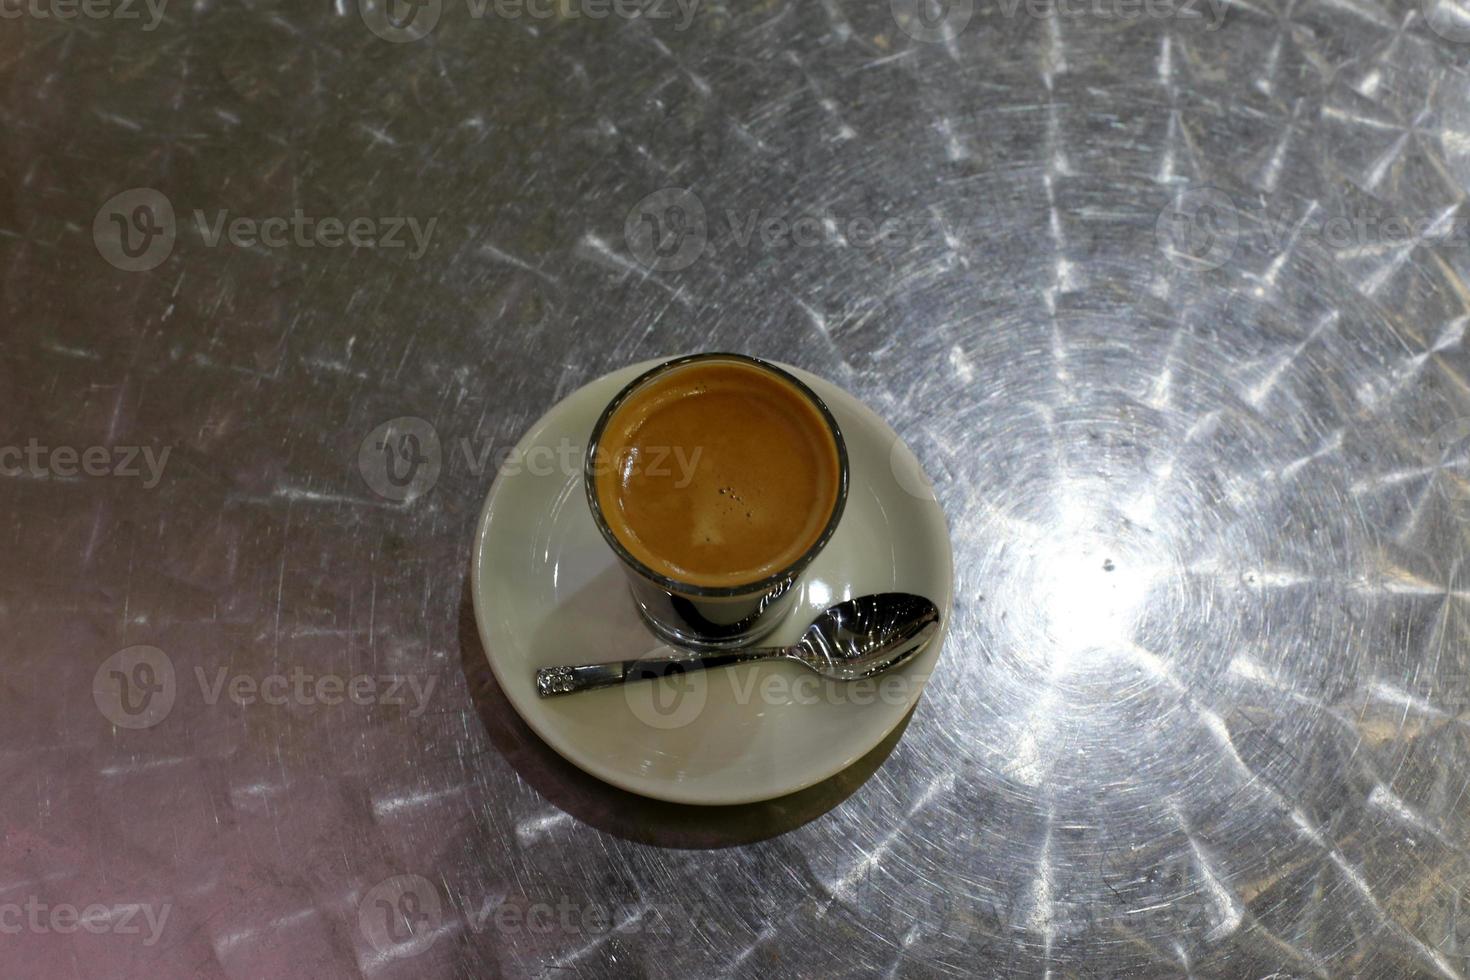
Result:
[[548, 591]]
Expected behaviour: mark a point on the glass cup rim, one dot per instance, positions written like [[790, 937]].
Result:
[[589, 464]]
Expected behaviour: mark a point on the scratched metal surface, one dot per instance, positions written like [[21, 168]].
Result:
[[1203, 706]]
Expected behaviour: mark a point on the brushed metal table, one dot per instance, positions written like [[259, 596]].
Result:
[[1168, 297]]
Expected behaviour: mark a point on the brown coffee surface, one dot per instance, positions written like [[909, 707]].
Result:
[[717, 473]]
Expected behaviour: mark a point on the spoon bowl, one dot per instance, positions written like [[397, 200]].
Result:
[[858, 638], [867, 635]]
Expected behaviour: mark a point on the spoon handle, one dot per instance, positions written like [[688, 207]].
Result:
[[553, 681]]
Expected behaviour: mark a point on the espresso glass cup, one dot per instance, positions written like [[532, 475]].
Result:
[[707, 616]]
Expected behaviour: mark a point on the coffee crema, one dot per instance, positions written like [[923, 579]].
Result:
[[717, 473]]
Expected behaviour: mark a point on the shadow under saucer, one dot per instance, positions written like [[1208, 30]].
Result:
[[628, 815]]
